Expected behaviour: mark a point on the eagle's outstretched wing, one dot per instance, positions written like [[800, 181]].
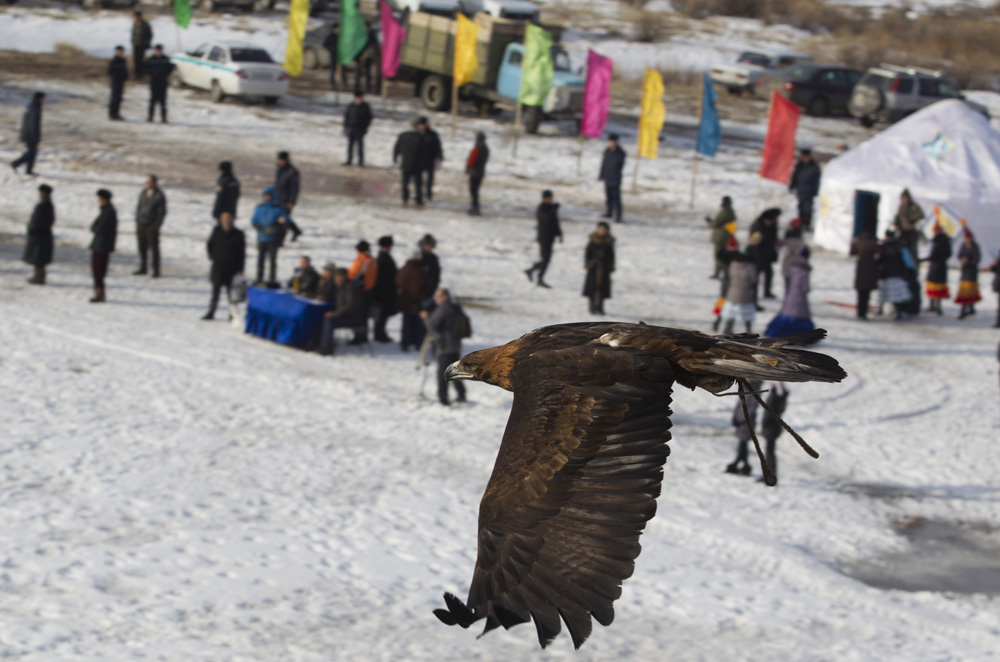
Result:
[[573, 486]]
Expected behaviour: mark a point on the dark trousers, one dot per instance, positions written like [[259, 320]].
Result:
[[766, 276], [157, 96], [99, 268], [863, 297], [545, 252], [329, 325], [429, 182], [613, 200], [770, 456], [416, 178], [216, 291], [28, 158], [138, 60], [382, 314], [333, 74], [356, 137], [115, 103], [267, 251], [148, 237], [413, 331], [445, 360], [474, 184], [806, 211]]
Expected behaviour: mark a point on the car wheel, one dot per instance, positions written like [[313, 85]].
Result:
[[175, 79], [310, 60], [867, 121], [217, 94], [532, 118], [435, 93], [271, 100], [818, 107]]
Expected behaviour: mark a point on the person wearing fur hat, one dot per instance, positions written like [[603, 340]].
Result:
[[117, 75], [268, 219], [968, 285], [432, 265], [384, 294], [38, 248], [599, 261], [741, 290], [765, 250], [721, 233], [475, 168], [105, 230], [548, 231], [612, 165], [364, 271], [937, 272], [794, 316], [227, 192]]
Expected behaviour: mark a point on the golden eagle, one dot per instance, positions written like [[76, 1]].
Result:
[[580, 464]]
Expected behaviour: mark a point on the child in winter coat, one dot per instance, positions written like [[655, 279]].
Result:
[[741, 292], [794, 316]]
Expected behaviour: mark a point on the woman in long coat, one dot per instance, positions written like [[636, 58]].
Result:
[[794, 316], [599, 261], [968, 286], [937, 271], [866, 270], [39, 246]]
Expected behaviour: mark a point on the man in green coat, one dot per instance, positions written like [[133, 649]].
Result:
[[720, 233]]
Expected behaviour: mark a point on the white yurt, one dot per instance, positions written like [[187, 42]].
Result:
[[947, 155]]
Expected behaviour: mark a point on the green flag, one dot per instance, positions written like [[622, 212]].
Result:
[[537, 68], [353, 32], [182, 12]]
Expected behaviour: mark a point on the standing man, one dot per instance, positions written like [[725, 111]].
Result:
[[227, 252], [269, 220], [547, 215], [357, 119], [444, 323], [431, 154], [385, 288], [331, 44], [407, 153], [31, 133], [475, 168], [286, 185], [765, 251], [805, 186], [432, 266], [105, 230], [118, 73], [142, 37], [909, 217], [159, 67], [227, 192], [612, 166], [149, 215], [38, 247]]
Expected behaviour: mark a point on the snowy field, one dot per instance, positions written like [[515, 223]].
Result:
[[175, 490]]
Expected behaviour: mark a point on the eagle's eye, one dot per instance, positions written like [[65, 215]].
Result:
[[471, 367]]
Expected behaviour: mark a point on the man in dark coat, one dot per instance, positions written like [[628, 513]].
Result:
[[805, 185], [431, 154], [770, 428], [105, 230], [227, 248], [549, 230], [475, 168], [118, 73], [357, 119], [407, 152], [599, 261], [865, 247], [432, 266], [142, 37], [765, 252], [227, 191], [286, 186], [305, 280], [331, 44], [612, 166], [31, 133], [444, 323], [159, 68], [150, 212], [39, 246], [348, 311], [384, 295]]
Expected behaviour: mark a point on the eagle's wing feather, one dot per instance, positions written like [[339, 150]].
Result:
[[575, 482]]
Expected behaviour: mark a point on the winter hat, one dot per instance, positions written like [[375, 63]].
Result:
[[38, 96], [226, 166], [158, 47], [45, 188], [269, 190], [727, 201], [772, 213], [330, 266], [420, 120], [104, 194], [480, 138], [795, 224], [385, 241], [363, 246], [283, 156], [429, 240], [613, 136], [546, 194]]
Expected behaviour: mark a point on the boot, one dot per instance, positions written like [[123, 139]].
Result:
[[530, 273], [542, 283], [210, 315], [39, 277], [962, 315], [98, 295], [141, 271]]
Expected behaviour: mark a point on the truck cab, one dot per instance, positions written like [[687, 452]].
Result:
[[566, 96]]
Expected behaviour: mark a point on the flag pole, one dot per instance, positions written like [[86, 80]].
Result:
[[694, 162], [579, 157], [385, 93], [454, 107]]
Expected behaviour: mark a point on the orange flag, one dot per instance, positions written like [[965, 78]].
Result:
[[779, 143]]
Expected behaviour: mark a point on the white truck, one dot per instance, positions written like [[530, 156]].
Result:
[[742, 76]]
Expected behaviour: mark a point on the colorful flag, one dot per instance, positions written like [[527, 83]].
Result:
[[298, 16], [779, 143], [353, 32], [653, 113], [537, 68], [182, 12], [393, 36], [596, 95], [709, 131], [466, 63]]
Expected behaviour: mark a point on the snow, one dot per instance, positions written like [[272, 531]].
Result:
[[175, 490]]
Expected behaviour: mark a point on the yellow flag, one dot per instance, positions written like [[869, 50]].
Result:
[[466, 62], [653, 113], [298, 17]]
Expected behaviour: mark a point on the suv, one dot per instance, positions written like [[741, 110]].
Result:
[[889, 93]]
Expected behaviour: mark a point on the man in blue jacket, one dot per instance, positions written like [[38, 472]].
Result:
[[268, 219]]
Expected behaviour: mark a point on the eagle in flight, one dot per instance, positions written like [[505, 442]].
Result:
[[581, 461]]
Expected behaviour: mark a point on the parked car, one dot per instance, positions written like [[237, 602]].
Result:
[[741, 76], [820, 89], [516, 10], [889, 93], [230, 69]]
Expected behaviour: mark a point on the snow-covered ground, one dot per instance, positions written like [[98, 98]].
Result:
[[175, 490]]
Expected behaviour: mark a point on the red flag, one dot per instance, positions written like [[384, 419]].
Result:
[[779, 144]]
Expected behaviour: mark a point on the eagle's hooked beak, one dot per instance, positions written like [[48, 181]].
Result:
[[456, 371]]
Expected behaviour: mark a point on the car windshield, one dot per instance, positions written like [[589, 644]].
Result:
[[560, 59], [800, 72], [249, 55], [756, 59]]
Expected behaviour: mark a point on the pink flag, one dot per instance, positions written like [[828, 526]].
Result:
[[393, 36], [596, 95]]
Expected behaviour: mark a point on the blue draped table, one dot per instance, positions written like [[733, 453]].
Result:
[[281, 316]]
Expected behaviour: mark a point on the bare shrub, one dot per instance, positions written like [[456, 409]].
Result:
[[651, 26]]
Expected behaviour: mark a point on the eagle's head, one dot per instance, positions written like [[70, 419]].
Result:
[[491, 365]]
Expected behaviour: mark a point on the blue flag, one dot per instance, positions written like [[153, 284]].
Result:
[[709, 131]]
